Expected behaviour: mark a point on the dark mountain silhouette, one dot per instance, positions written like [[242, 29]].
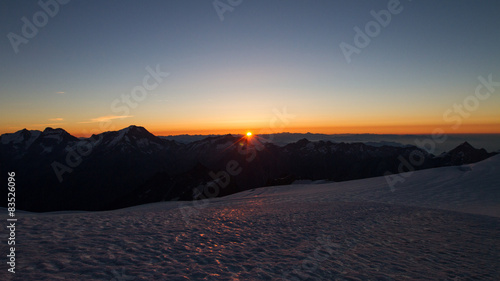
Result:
[[185, 186], [56, 171], [16, 144], [464, 153]]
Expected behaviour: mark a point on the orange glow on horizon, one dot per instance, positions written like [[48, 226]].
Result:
[[157, 130], [392, 130]]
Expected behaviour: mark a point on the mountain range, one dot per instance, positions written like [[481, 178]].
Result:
[[57, 171]]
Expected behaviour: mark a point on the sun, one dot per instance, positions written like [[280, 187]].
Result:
[[249, 134]]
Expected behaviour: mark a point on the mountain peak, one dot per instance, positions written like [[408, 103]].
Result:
[[303, 141], [132, 136], [57, 134], [466, 144], [52, 133], [133, 129], [465, 153], [50, 130], [21, 136]]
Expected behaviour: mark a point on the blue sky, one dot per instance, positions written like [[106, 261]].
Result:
[[229, 75]]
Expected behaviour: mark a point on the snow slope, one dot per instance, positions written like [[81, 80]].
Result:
[[472, 188], [438, 224]]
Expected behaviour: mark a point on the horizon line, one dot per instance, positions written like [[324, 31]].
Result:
[[219, 132]]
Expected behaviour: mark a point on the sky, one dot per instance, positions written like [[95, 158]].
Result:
[[229, 66]]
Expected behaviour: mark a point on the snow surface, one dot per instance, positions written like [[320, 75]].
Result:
[[438, 224]]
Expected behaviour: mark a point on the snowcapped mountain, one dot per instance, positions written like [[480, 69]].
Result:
[[23, 137], [46, 142], [17, 143], [132, 138], [52, 141], [132, 166]]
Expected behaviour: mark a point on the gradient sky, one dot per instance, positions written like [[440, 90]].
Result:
[[233, 75]]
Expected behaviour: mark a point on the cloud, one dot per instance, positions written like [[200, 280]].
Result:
[[56, 119], [107, 118], [60, 93], [47, 124]]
